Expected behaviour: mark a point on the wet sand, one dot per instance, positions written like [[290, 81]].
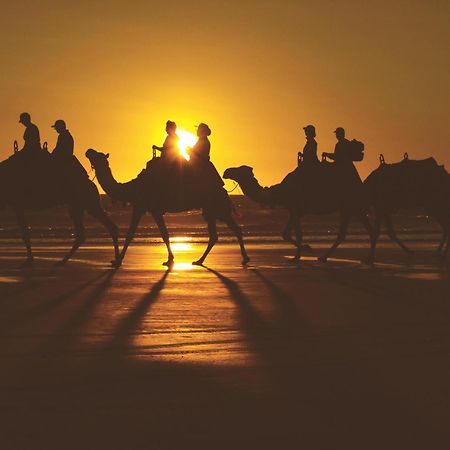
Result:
[[273, 355]]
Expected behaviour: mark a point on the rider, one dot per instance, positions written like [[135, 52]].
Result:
[[342, 148], [202, 147], [64, 144], [31, 135], [200, 158], [169, 149], [310, 148]]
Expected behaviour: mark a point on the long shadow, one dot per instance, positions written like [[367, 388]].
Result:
[[62, 337], [123, 332], [43, 308], [290, 320]]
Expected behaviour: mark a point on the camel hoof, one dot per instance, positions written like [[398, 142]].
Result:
[[245, 260], [369, 261], [27, 263], [116, 262], [306, 248], [198, 263], [294, 260], [322, 259], [61, 263]]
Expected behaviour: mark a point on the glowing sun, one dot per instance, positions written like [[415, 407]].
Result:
[[186, 139]]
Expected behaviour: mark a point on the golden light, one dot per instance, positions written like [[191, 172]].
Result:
[[186, 139]]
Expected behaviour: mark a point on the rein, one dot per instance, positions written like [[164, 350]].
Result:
[[95, 175], [235, 186]]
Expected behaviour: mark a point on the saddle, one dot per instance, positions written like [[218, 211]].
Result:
[[180, 183]]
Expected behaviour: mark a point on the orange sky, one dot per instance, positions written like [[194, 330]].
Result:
[[256, 72]]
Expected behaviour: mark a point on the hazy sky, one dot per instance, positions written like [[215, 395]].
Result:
[[255, 71]]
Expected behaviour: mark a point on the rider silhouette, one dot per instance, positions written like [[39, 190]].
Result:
[[64, 144], [310, 148], [169, 149], [206, 175], [202, 147], [342, 151], [31, 135]]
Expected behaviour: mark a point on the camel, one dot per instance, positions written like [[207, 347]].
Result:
[[410, 183], [31, 182], [145, 196], [310, 191]]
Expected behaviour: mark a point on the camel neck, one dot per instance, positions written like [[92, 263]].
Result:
[[109, 184], [251, 188]]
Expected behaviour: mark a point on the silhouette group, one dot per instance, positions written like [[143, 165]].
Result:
[[37, 178]]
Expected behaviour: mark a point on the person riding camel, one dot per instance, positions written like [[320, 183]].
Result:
[[169, 149], [31, 135], [200, 159], [68, 170], [310, 148], [65, 143], [342, 151]]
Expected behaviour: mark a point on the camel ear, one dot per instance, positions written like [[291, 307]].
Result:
[[107, 155]]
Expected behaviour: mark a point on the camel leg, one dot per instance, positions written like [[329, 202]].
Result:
[[373, 235], [374, 238], [25, 233], [135, 218], [159, 219], [298, 232], [76, 214], [287, 234], [236, 229], [445, 235], [213, 238], [393, 235], [447, 247], [99, 213], [345, 220]]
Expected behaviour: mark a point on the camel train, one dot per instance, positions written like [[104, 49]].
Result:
[[26, 184], [387, 189]]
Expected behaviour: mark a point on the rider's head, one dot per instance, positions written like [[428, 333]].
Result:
[[59, 125], [25, 118], [171, 127], [340, 133], [310, 131], [203, 130]]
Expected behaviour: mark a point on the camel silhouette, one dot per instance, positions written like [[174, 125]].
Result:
[[315, 190], [408, 184], [145, 197], [33, 182]]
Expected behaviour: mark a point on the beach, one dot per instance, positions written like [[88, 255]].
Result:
[[336, 355]]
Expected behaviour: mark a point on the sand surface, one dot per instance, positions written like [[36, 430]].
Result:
[[268, 356]]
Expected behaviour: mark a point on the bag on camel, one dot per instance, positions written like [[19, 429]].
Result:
[[356, 150]]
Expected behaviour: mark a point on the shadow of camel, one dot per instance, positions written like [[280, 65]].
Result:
[[123, 333], [67, 333]]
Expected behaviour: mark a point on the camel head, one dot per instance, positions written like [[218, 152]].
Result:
[[240, 174], [97, 159]]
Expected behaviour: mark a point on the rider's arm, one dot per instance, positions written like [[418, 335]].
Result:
[[329, 155]]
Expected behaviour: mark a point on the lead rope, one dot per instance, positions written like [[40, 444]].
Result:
[[95, 175], [235, 186]]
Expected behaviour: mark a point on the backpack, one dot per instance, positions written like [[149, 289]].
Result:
[[356, 150]]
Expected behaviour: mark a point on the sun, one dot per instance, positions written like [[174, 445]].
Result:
[[186, 139]]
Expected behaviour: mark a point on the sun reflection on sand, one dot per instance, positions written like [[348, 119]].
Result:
[[182, 244], [183, 266]]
